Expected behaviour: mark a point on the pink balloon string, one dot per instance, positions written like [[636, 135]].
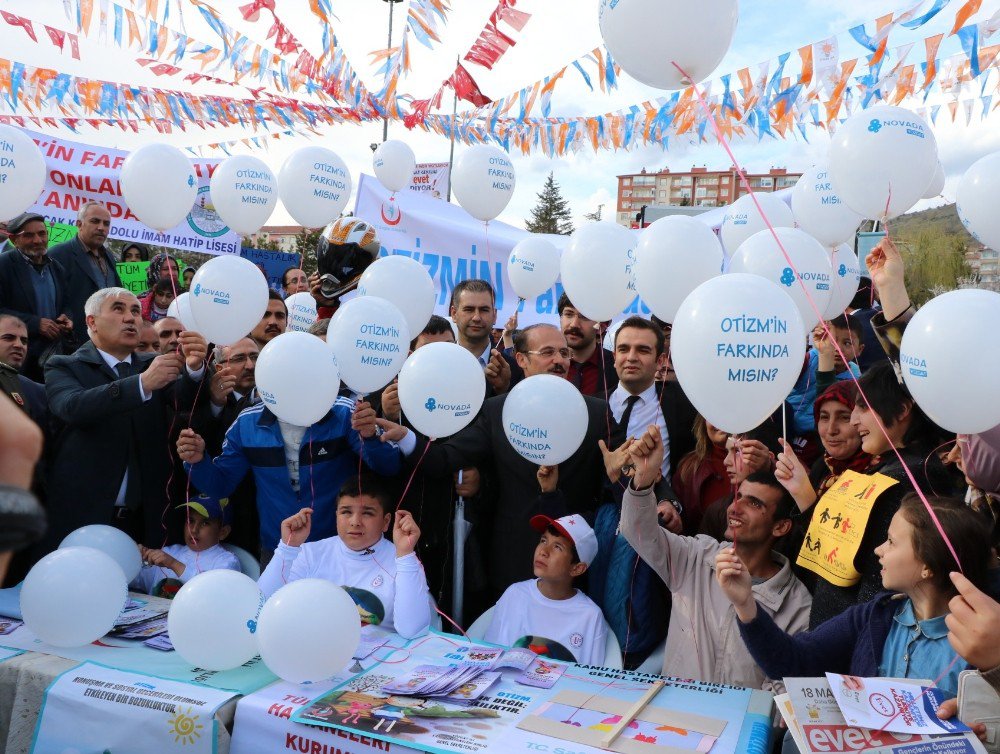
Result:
[[812, 303]]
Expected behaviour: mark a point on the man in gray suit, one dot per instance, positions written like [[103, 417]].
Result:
[[88, 264]]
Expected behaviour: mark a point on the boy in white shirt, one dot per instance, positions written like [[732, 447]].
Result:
[[166, 570], [385, 579], [548, 614]]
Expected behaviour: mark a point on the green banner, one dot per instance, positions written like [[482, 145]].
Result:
[[59, 232], [133, 275]]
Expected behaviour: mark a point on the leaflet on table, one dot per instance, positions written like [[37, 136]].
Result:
[[824, 728], [95, 708], [142, 630], [510, 715], [899, 706]]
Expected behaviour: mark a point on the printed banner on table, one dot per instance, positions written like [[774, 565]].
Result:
[[6, 654], [77, 173], [454, 246], [511, 716], [431, 179], [95, 708], [838, 526]]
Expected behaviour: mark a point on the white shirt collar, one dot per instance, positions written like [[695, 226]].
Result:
[[484, 357], [113, 361], [620, 395]]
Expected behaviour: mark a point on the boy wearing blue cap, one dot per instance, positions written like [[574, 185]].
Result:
[[166, 570]]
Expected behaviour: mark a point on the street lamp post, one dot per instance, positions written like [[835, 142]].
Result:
[[385, 118]]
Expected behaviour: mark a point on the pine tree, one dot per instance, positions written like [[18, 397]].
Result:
[[551, 214]]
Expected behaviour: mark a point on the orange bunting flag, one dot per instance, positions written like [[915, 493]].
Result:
[[964, 14]]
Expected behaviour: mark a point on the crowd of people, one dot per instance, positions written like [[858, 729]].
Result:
[[694, 548]]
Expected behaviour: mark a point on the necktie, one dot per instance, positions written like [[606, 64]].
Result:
[[124, 369], [627, 413]]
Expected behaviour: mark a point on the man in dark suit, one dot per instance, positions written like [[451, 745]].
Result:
[[26, 393], [539, 349], [113, 459], [33, 288], [592, 366], [88, 264]]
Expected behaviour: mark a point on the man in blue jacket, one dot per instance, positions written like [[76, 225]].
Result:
[[294, 467]]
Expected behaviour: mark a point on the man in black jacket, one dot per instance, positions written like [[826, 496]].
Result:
[[114, 457], [33, 288]]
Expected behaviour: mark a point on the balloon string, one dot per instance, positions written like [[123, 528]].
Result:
[[812, 303], [604, 377], [420, 460]]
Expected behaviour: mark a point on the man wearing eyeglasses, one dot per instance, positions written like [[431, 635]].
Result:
[[33, 288]]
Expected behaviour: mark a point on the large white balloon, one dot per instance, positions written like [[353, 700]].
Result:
[[737, 346], [301, 311], [761, 255], [213, 618], [180, 308], [228, 298], [882, 160], [950, 355], [22, 172], [370, 341], [297, 378], [159, 185], [114, 543], [976, 200], [314, 185], [545, 419], [820, 212], [244, 192], [648, 37], [936, 186], [533, 266], [597, 269], [743, 219], [394, 163], [846, 275], [675, 255], [73, 596], [441, 388], [404, 282], [308, 631], [483, 181]]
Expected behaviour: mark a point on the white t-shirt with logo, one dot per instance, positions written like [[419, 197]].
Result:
[[213, 558], [573, 630], [389, 591]]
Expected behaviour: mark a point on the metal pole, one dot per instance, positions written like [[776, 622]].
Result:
[[454, 115], [385, 118]]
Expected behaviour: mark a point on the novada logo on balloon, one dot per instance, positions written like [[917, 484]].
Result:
[[916, 365], [875, 126], [842, 270], [219, 297], [787, 277], [431, 404], [457, 409]]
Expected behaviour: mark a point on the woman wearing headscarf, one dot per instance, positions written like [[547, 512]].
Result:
[[164, 286]]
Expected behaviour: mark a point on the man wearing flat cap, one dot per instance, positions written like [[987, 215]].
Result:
[[33, 288]]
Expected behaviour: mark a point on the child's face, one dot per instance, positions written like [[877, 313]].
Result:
[[901, 569], [201, 533], [554, 559], [361, 522], [849, 344], [163, 300]]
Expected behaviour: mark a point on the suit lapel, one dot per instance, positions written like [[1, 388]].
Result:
[[21, 272], [88, 353], [82, 259]]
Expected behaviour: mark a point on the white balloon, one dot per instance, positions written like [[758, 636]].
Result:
[[404, 282], [314, 184], [159, 185], [244, 192], [545, 419], [180, 308], [737, 345], [394, 164], [308, 631], [882, 160], [596, 268], [949, 357], [936, 186], [73, 596], [213, 618], [297, 378], [647, 37], [22, 172], [441, 388], [846, 275], [743, 219], [483, 181], [370, 340], [228, 298], [301, 311], [675, 255], [114, 543], [533, 266], [761, 255], [975, 199], [820, 212]]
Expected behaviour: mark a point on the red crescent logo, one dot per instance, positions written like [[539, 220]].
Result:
[[387, 221]]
